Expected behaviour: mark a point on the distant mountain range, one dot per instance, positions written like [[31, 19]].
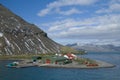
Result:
[[95, 47]]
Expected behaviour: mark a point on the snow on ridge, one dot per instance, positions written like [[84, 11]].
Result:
[[1, 34], [7, 41]]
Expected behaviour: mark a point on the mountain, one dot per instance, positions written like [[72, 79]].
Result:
[[20, 37], [91, 47]]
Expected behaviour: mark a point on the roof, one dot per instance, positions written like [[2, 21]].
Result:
[[56, 58]]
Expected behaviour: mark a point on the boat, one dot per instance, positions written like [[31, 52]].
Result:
[[13, 64]]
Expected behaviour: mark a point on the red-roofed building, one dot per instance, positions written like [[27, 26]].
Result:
[[70, 56]]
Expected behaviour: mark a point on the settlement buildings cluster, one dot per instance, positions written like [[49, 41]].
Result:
[[56, 59]]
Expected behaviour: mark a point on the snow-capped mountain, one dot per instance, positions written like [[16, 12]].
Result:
[[96, 47]]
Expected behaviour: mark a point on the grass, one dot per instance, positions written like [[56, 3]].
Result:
[[25, 56], [7, 57], [65, 50], [85, 61]]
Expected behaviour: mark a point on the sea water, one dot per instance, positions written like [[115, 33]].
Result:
[[43, 73]]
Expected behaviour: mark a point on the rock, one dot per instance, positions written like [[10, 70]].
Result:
[[20, 37]]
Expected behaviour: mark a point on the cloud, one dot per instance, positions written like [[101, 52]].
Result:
[[51, 7], [44, 12], [113, 6], [99, 42], [61, 25], [61, 3], [69, 12], [106, 27], [66, 25]]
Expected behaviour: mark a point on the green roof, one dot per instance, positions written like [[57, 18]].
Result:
[[55, 58]]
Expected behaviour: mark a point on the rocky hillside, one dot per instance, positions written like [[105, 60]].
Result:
[[20, 37]]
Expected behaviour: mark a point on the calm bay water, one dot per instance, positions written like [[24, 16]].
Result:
[[42, 73]]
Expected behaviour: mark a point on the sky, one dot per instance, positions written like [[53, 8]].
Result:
[[71, 21]]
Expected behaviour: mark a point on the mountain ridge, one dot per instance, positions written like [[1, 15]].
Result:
[[91, 47]]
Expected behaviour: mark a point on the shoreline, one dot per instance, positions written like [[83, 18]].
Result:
[[102, 64], [25, 62], [74, 64]]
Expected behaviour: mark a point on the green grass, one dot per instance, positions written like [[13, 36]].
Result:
[[22, 56], [65, 50], [84, 60]]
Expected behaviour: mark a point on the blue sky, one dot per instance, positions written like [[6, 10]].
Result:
[[70, 21]]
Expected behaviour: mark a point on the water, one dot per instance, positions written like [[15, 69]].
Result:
[[42, 73]]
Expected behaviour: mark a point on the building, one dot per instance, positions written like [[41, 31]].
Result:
[[36, 58], [70, 56], [55, 60]]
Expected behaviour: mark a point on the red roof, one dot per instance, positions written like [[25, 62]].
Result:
[[70, 56]]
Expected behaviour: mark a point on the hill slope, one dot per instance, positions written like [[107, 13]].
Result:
[[20, 37]]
